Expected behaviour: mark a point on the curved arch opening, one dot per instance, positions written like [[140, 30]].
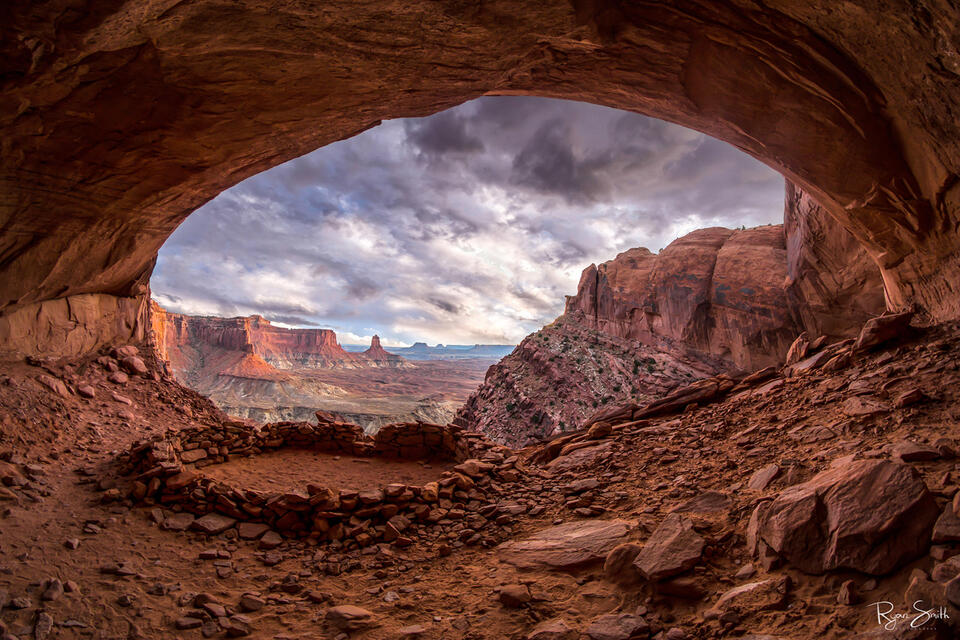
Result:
[[468, 229]]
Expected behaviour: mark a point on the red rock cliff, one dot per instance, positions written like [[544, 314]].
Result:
[[182, 340], [714, 290], [643, 323]]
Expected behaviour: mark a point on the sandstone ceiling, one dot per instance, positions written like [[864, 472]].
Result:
[[119, 118]]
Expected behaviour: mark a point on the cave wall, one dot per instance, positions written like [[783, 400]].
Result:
[[832, 286], [73, 325], [120, 117]]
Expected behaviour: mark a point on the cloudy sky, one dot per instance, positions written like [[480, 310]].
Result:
[[468, 226]]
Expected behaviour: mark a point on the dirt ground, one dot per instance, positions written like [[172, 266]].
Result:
[[290, 470]]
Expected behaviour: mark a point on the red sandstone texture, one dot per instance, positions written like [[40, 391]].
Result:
[[121, 118], [641, 324], [780, 507], [179, 338]]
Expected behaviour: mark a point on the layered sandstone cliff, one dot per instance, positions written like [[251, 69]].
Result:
[[714, 290], [716, 300], [185, 341]]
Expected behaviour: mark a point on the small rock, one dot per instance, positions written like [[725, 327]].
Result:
[[177, 522], [251, 530], [553, 629], [614, 626], [879, 330], [54, 385], [618, 566], [86, 391], [674, 547], [53, 591], [213, 523], [746, 572], [250, 603], [271, 540], [43, 626], [749, 598], [947, 526], [347, 617], [762, 478], [908, 398], [513, 596], [237, 626], [860, 406], [193, 455], [686, 587], [134, 365], [912, 452], [848, 593], [188, 623]]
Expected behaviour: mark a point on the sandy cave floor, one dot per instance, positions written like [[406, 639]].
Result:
[[290, 470]]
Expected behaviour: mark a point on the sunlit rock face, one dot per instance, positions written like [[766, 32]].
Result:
[[739, 295], [714, 301], [119, 118], [186, 342], [715, 290]]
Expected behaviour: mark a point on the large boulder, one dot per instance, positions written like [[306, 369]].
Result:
[[868, 515]]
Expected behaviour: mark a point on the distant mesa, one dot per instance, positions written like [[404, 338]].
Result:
[[192, 342], [423, 351]]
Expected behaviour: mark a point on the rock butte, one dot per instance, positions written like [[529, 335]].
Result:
[[714, 301], [120, 120]]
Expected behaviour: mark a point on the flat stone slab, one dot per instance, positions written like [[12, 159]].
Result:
[[177, 522], [567, 546], [213, 523], [707, 502], [579, 458]]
